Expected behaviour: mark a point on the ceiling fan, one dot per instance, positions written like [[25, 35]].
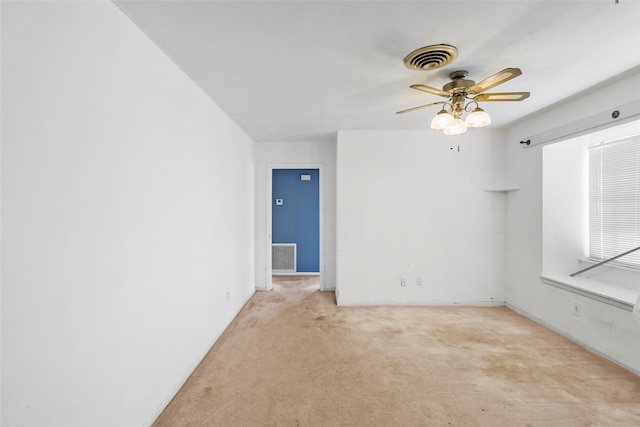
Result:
[[461, 94]]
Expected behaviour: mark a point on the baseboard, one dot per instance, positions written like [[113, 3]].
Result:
[[192, 368], [294, 273], [422, 303], [570, 337]]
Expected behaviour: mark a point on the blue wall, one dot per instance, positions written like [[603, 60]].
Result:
[[297, 220]]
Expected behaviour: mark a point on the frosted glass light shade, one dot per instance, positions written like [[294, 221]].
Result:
[[478, 118], [441, 120], [455, 128]]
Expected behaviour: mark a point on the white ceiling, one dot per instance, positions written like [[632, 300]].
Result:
[[301, 70]]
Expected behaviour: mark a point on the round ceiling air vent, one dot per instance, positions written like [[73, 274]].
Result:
[[431, 57]]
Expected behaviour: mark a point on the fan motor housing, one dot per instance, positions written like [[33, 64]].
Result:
[[457, 85], [458, 82]]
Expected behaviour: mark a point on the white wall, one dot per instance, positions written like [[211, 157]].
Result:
[[290, 155], [606, 329], [410, 206], [565, 206], [1, 274], [127, 219]]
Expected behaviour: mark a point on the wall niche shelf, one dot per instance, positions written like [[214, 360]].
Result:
[[502, 190]]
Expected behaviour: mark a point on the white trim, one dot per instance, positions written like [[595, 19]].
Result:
[[422, 303], [607, 293], [269, 238], [502, 190], [611, 264], [569, 337], [603, 120], [293, 273]]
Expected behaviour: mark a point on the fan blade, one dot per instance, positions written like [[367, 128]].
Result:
[[430, 89], [493, 81], [505, 96], [420, 107]]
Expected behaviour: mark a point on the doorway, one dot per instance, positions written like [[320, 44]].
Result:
[[295, 222]]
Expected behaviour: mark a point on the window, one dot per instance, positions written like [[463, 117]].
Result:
[[614, 200], [591, 212]]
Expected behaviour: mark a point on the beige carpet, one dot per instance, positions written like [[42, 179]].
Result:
[[293, 358]]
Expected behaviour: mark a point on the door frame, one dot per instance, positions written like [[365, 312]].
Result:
[[269, 218]]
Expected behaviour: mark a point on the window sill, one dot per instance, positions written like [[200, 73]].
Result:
[[613, 264], [604, 292]]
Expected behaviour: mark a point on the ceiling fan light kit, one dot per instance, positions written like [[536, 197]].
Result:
[[462, 94], [478, 118], [442, 120], [451, 123], [456, 127]]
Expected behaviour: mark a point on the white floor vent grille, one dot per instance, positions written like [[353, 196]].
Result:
[[283, 257]]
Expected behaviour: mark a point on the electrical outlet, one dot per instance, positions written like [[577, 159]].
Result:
[[227, 295], [577, 309], [419, 281], [403, 281]]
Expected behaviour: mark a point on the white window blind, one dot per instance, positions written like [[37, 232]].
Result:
[[614, 200]]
